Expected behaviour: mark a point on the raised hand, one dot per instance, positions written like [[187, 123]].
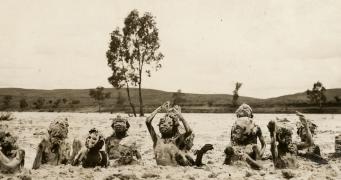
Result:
[[302, 118], [206, 147], [177, 109], [165, 106], [272, 127]]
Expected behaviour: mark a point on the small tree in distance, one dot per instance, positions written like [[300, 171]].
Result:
[[316, 95], [99, 96], [7, 101], [23, 104], [56, 103], [236, 94], [39, 103]]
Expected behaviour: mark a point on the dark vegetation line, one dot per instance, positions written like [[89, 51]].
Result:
[[79, 100]]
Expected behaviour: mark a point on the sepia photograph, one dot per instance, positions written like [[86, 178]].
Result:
[[170, 90]]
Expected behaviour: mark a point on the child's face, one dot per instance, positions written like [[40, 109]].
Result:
[[166, 125], [91, 140], [56, 139], [285, 139], [120, 126], [127, 156]]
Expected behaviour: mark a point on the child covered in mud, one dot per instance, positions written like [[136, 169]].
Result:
[[244, 135], [120, 147], [283, 154], [169, 148], [92, 156], [313, 152], [54, 149], [12, 158]]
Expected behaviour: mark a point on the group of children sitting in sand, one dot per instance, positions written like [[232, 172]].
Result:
[[171, 148]]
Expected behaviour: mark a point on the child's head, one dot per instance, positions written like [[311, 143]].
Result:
[[58, 130], [94, 140], [244, 110], [120, 124]]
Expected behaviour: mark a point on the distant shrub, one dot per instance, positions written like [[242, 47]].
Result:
[[23, 103], [6, 116], [39, 103], [6, 101]]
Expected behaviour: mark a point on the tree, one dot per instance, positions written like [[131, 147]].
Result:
[[39, 103], [64, 100], [119, 62], [99, 96], [141, 41], [7, 101], [178, 98], [235, 94], [23, 104], [56, 103], [316, 95], [337, 99]]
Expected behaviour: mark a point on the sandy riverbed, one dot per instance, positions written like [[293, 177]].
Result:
[[209, 128]]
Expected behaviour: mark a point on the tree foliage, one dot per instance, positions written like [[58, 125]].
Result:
[[23, 103], [134, 52], [141, 42], [119, 62], [56, 103], [39, 103], [99, 95], [337, 99], [316, 94], [7, 101], [236, 94]]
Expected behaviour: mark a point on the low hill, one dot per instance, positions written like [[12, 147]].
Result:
[[79, 100]]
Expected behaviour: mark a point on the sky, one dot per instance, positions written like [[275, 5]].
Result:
[[273, 47]]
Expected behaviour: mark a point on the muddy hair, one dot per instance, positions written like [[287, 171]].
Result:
[[244, 110], [100, 141], [175, 120], [282, 132], [59, 128], [119, 118]]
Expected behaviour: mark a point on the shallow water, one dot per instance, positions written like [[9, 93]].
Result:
[[208, 128]]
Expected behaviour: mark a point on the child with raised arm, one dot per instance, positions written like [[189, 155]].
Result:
[[166, 146]]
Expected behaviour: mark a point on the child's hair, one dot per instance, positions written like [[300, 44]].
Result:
[[121, 119], [244, 110], [59, 128], [100, 141]]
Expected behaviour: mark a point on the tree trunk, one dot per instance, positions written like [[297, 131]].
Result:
[[141, 101], [140, 96], [131, 104], [320, 105]]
